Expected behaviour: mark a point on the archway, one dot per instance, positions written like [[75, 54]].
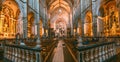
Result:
[[100, 21], [88, 24], [30, 24]]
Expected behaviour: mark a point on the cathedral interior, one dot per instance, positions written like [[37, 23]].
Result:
[[59, 30]]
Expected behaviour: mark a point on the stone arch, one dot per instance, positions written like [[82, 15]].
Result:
[[88, 24], [30, 24], [100, 20], [20, 15], [101, 11], [88, 17], [20, 6]]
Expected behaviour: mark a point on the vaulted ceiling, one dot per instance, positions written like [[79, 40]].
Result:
[[60, 9], [52, 5]]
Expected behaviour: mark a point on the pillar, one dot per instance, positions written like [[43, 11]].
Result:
[[45, 28], [38, 57], [38, 31], [82, 28], [25, 27], [71, 22], [25, 19]]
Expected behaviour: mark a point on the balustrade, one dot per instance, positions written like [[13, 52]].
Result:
[[97, 53], [17, 53]]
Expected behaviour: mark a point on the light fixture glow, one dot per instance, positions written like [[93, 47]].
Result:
[[60, 10]]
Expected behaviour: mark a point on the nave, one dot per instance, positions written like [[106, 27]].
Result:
[[59, 30]]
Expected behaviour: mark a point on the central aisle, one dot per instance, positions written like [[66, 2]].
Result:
[[58, 52]]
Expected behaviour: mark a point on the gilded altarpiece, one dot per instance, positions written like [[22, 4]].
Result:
[[7, 23]]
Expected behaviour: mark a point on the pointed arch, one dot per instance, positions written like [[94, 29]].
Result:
[[88, 24], [30, 24]]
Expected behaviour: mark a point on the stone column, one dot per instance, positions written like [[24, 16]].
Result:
[[38, 31], [38, 57], [82, 22], [24, 18], [94, 24], [71, 22], [37, 19], [38, 25], [25, 27]]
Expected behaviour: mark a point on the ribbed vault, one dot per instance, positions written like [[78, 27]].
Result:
[[59, 9]]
